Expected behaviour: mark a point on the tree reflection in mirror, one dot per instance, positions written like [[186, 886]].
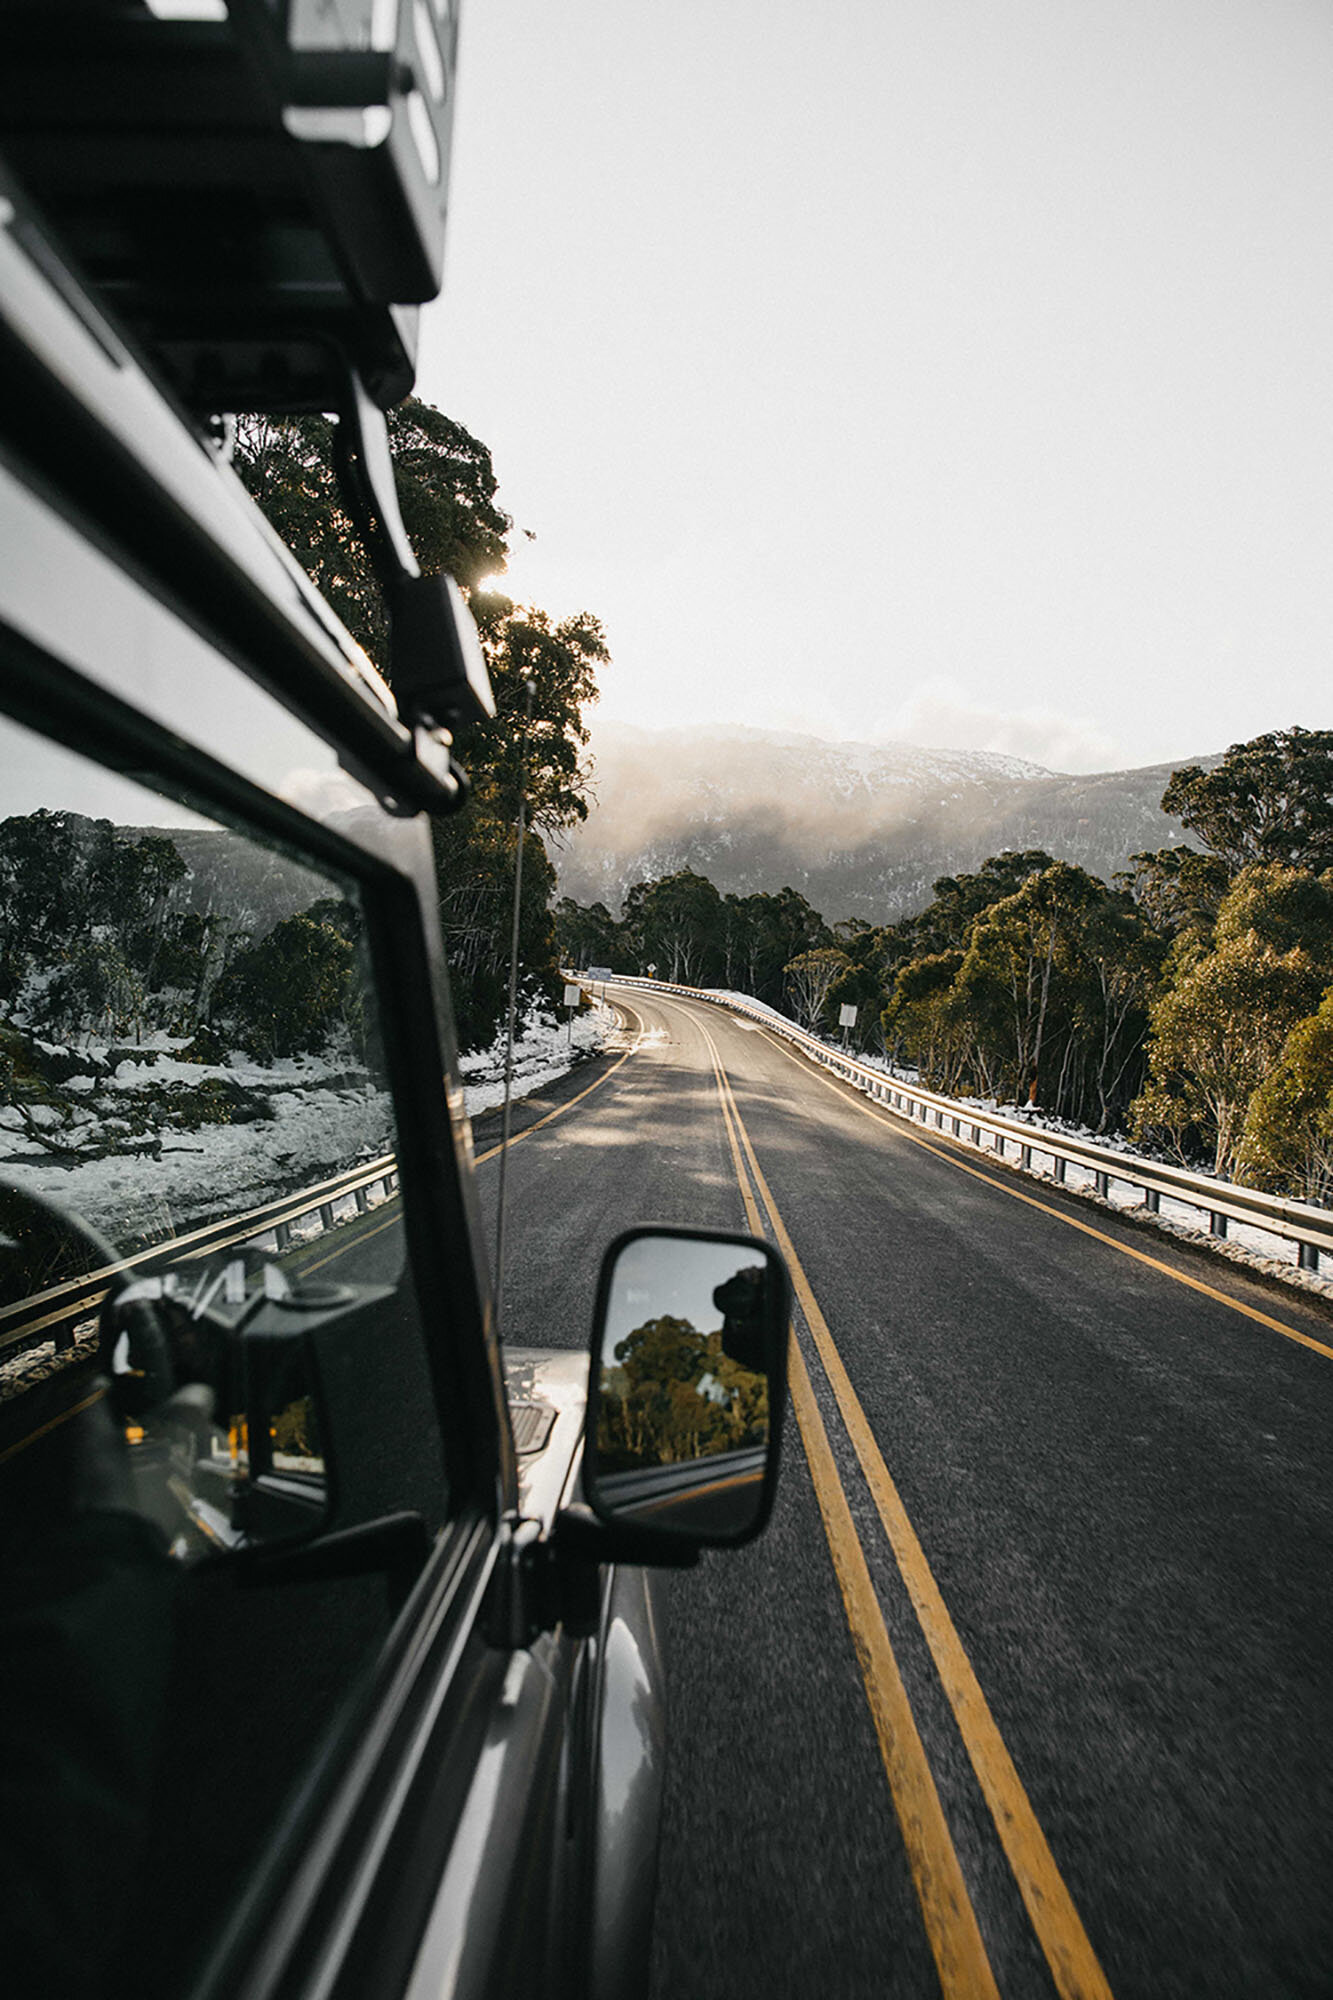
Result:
[[688, 1382]]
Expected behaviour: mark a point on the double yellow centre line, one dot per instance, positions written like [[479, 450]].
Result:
[[950, 1920]]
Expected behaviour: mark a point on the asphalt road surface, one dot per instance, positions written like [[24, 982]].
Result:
[[1029, 1687]]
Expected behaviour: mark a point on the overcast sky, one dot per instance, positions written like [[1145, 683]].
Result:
[[949, 370]]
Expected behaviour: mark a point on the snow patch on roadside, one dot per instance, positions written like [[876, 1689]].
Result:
[[322, 1115], [545, 1050]]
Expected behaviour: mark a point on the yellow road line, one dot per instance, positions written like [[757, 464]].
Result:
[[858, 1103], [561, 1109], [1059, 1929], [353, 1242], [536, 1126], [946, 1908]]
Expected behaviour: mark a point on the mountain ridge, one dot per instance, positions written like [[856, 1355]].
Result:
[[860, 829]]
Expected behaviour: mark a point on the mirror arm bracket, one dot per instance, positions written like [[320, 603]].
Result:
[[543, 1581]]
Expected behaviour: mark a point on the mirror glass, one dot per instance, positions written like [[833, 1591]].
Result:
[[690, 1358]]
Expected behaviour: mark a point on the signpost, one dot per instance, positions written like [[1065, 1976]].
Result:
[[846, 1020], [573, 996]]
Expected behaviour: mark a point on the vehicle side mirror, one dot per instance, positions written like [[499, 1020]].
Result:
[[688, 1385]]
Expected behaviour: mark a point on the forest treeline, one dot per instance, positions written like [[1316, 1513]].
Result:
[[1188, 1002], [99, 939]]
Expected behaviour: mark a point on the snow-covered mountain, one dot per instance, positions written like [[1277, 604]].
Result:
[[861, 829]]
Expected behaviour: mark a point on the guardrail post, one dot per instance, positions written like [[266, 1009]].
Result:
[[1308, 1259], [326, 1215], [362, 1201], [1152, 1201], [1217, 1224], [1025, 1155], [1102, 1183], [1060, 1164], [282, 1235]]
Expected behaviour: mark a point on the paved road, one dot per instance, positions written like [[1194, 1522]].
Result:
[[1029, 1689]]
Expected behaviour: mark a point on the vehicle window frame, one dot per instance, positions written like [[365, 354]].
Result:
[[114, 495], [51, 697]]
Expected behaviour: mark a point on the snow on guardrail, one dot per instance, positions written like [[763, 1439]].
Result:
[[1162, 1188], [57, 1315]]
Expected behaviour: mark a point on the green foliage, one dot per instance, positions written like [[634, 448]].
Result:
[[679, 921], [283, 995], [1042, 998], [946, 923], [587, 936], [475, 857], [927, 1020], [1287, 909], [1219, 1029], [1178, 889], [92, 936], [761, 934], [1024, 952], [676, 1396], [446, 491], [1183, 997], [1287, 1141], [546, 755], [674, 926], [1269, 800]]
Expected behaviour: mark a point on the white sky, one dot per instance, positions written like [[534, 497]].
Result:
[[949, 370]]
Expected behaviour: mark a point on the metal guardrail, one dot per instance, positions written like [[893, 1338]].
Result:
[[55, 1314], [1298, 1223]]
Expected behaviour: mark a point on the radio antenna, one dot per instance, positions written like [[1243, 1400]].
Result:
[[529, 692]]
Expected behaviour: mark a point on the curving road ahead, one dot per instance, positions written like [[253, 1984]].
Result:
[[1029, 1688]]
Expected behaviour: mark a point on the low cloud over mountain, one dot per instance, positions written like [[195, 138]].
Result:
[[861, 829]]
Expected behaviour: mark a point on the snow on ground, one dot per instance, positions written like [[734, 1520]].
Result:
[[544, 1051], [323, 1115]]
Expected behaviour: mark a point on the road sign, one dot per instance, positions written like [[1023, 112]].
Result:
[[573, 995], [846, 1017]]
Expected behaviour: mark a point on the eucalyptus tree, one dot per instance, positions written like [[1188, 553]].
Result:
[[1287, 1141], [535, 746], [1220, 1027], [811, 977], [1268, 800]]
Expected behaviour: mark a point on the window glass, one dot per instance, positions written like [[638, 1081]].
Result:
[[209, 1355]]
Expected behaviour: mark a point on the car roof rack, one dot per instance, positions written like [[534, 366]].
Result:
[[256, 189]]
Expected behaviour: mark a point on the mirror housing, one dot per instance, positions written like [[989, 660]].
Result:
[[687, 1389]]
